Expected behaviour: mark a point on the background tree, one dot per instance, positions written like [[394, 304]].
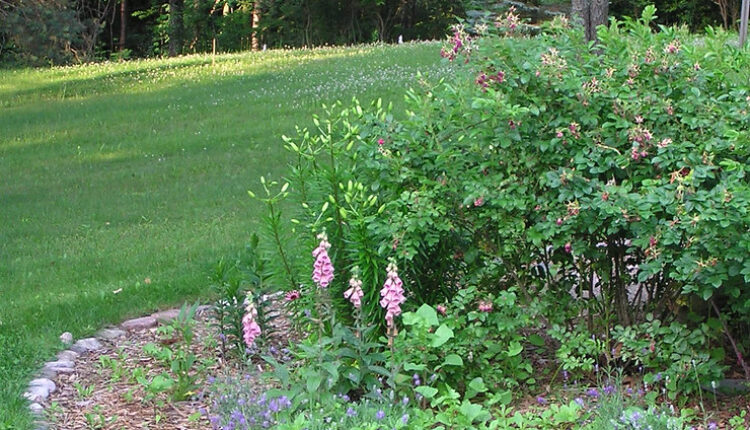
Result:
[[590, 13], [176, 27]]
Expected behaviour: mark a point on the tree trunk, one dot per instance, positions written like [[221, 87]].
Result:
[[598, 11], [255, 42], [175, 27], [123, 23], [590, 14]]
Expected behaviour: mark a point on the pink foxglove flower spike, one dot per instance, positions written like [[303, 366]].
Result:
[[250, 327], [322, 268], [354, 293], [392, 294]]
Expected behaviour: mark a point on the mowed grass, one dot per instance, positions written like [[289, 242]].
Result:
[[123, 184]]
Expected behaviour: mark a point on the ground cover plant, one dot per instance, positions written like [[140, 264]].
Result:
[[559, 220], [124, 183]]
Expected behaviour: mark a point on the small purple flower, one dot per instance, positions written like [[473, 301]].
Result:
[[405, 400], [380, 415], [609, 390], [657, 377], [565, 375], [579, 401], [592, 392], [350, 412], [417, 381], [405, 418], [541, 400], [712, 426]]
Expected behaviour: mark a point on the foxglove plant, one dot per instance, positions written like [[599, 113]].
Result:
[[322, 268], [354, 294], [251, 329], [392, 297]]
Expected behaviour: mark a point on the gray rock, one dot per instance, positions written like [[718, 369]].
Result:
[[46, 373], [86, 345], [67, 355], [110, 333], [42, 425], [66, 338], [43, 382], [39, 390], [139, 323], [60, 366], [167, 316]]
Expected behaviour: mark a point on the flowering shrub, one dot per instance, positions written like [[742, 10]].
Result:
[[609, 180], [549, 181]]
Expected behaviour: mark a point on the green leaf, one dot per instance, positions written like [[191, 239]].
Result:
[[452, 360], [536, 340], [427, 392], [429, 314], [414, 367], [473, 412], [441, 335], [313, 383], [514, 348]]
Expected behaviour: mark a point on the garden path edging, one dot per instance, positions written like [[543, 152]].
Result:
[[43, 384]]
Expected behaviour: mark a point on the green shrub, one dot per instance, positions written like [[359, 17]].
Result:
[[605, 180]]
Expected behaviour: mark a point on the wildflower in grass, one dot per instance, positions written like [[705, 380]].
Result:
[[250, 327], [322, 268], [593, 393], [392, 294], [381, 142], [712, 426], [441, 309], [609, 390], [380, 415], [354, 293], [417, 381], [350, 412], [579, 401], [479, 201], [293, 295], [405, 418], [541, 400], [568, 248]]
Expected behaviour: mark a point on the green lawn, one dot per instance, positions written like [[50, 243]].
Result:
[[114, 173]]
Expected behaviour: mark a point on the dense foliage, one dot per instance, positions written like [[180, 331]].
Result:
[[59, 31], [560, 212]]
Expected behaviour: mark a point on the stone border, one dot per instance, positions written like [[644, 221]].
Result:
[[42, 385]]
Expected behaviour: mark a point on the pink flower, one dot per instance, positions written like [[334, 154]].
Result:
[[354, 293], [479, 201], [559, 221], [568, 248], [322, 268], [441, 309], [250, 327], [392, 294], [485, 306], [559, 134], [381, 141], [293, 295]]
